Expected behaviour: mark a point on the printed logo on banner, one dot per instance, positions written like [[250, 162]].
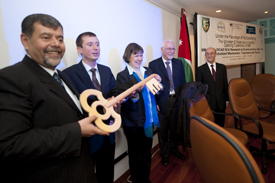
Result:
[[205, 24], [236, 26], [221, 27], [250, 30]]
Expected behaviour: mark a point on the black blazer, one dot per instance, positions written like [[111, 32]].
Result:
[[40, 137], [82, 81], [157, 66], [217, 91], [132, 113]]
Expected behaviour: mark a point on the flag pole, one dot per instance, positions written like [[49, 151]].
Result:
[[182, 11], [184, 52]]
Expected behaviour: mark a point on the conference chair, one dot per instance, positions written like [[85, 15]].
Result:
[[201, 108], [219, 156], [263, 89], [244, 107]]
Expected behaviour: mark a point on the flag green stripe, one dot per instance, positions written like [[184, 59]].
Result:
[[187, 70]]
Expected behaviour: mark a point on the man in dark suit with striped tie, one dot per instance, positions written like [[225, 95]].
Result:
[[215, 76], [172, 75], [88, 74]]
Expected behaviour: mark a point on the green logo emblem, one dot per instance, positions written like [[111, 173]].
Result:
[[205, 24]]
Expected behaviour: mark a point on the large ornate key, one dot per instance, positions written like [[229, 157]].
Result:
[[151, 84]]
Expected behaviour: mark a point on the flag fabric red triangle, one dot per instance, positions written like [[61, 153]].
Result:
[[184, 52]]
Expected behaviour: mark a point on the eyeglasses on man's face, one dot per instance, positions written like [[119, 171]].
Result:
[[169, 49]]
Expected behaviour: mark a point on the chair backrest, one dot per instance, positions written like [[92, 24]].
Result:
[[201, 108], [219, 156], [263, 88], [241, 98]]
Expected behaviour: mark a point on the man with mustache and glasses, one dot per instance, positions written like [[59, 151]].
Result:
[[215, 76], [43, 132], [172, 73], [88, 74]]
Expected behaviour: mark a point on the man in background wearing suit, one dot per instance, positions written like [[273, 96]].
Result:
[[102, 147], [171, 71], [42, 130], [215, 76]]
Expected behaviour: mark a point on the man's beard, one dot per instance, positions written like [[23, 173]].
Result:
[[52, 62]]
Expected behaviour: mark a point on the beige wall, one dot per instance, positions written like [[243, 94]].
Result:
[[4, 52]]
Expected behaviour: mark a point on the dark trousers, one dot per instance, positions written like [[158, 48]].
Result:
[[104, 164], [139, 147], [219, 119], [168, 139]]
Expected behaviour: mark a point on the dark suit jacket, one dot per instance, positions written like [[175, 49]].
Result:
[[40, 138], [82, 81], [132, 113], [217, 91], [158, 67]]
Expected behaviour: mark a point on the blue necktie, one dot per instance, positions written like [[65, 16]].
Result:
[[58, 79]]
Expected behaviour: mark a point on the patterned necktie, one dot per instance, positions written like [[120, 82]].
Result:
[[170, 76], [94, 80], [213, 72], [58, 79]]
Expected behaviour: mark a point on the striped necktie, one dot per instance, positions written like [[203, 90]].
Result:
[[94, 80]]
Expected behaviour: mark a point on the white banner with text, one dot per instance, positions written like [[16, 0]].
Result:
[[235, 42]]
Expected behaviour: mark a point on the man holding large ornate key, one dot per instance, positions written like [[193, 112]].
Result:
[[88, 74]]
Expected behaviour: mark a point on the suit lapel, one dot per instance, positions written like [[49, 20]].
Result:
[[147, 73], [69, 100], [84, 76], [162, 68], [208, 73], [102, 78], [218, 72], [60, 91], [65, 79], [132, 78], [174, 69], [49, 82]]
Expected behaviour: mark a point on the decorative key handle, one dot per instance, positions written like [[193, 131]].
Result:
[[151, 83]]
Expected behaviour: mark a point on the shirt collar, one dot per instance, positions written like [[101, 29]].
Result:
[[211, 64], [142, 69], [165, 60], [87, 67], [51, 72]]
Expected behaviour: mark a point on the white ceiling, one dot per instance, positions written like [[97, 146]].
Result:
[[238, 10]]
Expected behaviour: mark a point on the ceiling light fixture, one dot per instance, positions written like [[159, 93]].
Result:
[[266, 12], [218, 11]]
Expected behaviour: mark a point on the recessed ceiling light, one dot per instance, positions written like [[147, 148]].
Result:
[[218, 11], [266, 12]]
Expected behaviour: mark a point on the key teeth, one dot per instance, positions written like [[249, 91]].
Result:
[[154, 86]]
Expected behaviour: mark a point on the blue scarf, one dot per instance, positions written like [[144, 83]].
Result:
[[151, 114]]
